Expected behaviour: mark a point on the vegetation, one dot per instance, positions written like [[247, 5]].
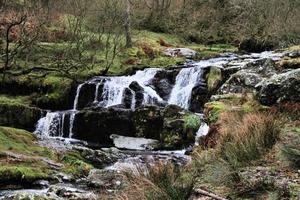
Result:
[[161, 181], [22, 160]]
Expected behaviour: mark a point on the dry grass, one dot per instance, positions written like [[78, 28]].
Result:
[[160, 181], [244, 138]]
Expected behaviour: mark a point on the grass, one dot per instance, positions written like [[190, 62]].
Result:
[[246, 138], [21, 159], [160, 182]]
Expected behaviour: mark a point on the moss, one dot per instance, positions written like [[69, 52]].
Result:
[[192, 122], [22, 172], [171, 140], [75, 164], [214, 78], [214, 109], [253, 106], [15, 100]]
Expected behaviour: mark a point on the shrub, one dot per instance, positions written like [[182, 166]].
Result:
[[244, 138]]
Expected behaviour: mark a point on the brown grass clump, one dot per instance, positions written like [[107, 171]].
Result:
[[161, 181], [244, 138]]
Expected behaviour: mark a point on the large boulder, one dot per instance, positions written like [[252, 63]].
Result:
[[280, 88], [101, 126], [245, 79], [97, 125], [19, 116]]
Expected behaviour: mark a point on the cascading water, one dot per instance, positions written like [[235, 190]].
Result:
[[109, 91], [187, 79], [114, 88]]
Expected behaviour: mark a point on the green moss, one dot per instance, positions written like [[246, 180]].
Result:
[[192, 122], [170, 140], [22, 142], [214, 109], [15, 100], [214, 78], [75, 164], [23, 172], [253, 106]]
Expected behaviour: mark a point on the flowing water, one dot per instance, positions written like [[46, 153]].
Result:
[[61, 123]]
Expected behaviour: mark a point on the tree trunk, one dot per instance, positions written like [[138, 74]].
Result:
[[128, 25]]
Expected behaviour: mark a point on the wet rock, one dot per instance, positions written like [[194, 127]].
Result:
[[163, 82], [127, 98], [71, 193], [138, 93], [105, 179], [86, 95], [19, 116], [98, 158], [200, 95], [280, 88], [96, 126], [182, 52], [148, 122]]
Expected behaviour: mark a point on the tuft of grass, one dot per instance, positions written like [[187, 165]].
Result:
[[214, 78], [160, 182], [244, 138]]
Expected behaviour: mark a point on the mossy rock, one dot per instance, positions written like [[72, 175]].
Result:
[[19, 115], [214, 78]]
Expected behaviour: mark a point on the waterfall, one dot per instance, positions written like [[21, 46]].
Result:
[[112, 91], [114, 87], [188, 78], [51, 125], [185, 82]]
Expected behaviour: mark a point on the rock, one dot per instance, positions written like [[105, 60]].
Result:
[[200, 95], [86, 95], [152, 122], [182, 52], [148, 122], [104, 179], [71, 193], [248, 77], [294, 54], [280, 88], [96, 126], [19, 116], [138, 93], [98, 158], [163, 82], [134, 143], [252, 45], [127, 98]]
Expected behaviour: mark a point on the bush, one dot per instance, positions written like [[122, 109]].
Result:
[[244, 138]]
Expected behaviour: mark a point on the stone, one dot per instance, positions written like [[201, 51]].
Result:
[[245, 79], [280, 88], [181, 52]]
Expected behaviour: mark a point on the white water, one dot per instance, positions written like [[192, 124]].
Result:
[[113, 90], [188, 78], [114, 87]]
